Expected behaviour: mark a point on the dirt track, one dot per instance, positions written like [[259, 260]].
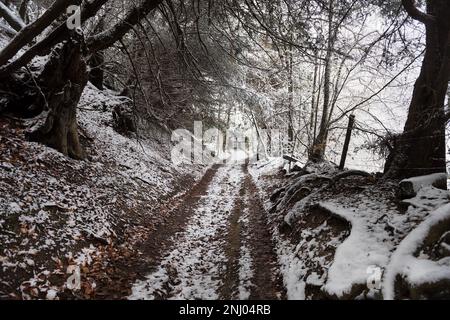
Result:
[[215, 244]]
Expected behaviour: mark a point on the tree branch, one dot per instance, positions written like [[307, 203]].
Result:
[[108, 37], [13, 20], [10, 32], [344, 113], [416, 14], [29, 32], [95, 43], [60, 33]]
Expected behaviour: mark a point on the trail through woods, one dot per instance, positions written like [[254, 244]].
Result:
[[223, 249]]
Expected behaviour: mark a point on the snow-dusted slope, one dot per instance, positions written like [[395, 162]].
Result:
[[377, 224], [56, 213]]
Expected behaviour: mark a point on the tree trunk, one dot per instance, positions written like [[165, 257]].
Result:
[[290, 103], [320, 142], [313, 98], [63, 80], [225, 142], [420, 150], [96, 75]]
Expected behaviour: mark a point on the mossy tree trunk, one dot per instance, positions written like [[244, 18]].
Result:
[[62, 81]]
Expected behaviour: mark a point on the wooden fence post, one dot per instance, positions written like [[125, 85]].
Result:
[[351, 122]]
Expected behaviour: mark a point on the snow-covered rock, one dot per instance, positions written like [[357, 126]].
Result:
[[408, 265], [410, 187]]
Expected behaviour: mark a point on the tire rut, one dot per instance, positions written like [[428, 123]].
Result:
[[161, 239], [216, 244], [267, 281], [230, 286], [253, 230]]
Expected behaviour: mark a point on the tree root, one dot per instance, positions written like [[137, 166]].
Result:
[[298, 192]]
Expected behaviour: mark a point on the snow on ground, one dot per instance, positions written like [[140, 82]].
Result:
[[245, 259], [237, 157], [270, 166], [291, 267], [378, 225], [417, 269], [417, 183], [144, 159], [364, 248], [192, 268], [52, 208], [377, 228]]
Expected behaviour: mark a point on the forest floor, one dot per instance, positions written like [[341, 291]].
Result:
[[127, 221], [60, 217], [132, 225]]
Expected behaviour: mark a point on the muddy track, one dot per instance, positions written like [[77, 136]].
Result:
[[215, 245], [130, 268], [248, 225], [180, 211], [229, 288], [268, 283]]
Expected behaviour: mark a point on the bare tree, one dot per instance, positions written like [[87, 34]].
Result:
[[63, 79]]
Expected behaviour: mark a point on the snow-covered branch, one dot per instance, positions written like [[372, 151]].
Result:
[[7, 30], [29, 32], [13, 20]]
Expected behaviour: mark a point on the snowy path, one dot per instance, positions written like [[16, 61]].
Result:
[[224, 251]]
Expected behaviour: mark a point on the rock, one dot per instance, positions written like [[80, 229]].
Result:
[[123, 119], [408, 188]]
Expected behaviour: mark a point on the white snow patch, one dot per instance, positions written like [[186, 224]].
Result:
[[269, 166], [361, 250], [416, 270], [292, 268], [245, 260], [428, 180]]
